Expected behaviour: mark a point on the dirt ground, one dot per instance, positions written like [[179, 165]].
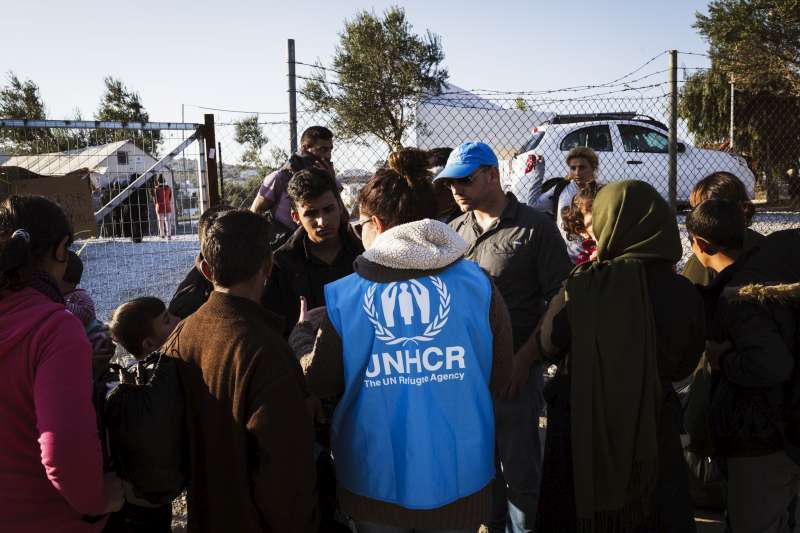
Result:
[[706, 522]]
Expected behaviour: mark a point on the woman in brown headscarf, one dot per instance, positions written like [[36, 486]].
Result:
[[621, 330]]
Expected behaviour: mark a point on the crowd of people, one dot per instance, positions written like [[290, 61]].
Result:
[[386, 372]]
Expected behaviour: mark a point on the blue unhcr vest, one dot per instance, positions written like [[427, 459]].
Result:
[[415, 426]]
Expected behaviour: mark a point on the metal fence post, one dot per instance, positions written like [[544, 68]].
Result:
[[211, 160], [673, 129], [292, 100], [221, 172], [733, 90], [202, 196]]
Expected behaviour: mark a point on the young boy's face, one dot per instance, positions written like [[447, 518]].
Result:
[[320, 217], [163, 325]]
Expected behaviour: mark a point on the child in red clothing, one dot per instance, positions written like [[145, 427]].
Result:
[[162, 197], [577, 220]]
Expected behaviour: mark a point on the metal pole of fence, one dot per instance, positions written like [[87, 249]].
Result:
[[673, 129], [221, 177], [733, 90], [211, 160], [292, 100]]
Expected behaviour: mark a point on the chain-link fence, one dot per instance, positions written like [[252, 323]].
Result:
[[626, 121], [134, 193]]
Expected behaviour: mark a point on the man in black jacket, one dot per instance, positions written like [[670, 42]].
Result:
[[194, 290], [320, 251], [753, 306]]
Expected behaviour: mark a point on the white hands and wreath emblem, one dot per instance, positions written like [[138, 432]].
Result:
[[434, 327]]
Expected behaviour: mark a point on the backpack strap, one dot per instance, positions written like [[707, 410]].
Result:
[[558, 185], [551, 183]]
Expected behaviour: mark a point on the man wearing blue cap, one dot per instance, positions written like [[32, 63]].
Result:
[[524, 253]]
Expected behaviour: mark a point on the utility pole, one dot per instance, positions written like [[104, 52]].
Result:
[[292, 100], [221, 173], [673, 130]]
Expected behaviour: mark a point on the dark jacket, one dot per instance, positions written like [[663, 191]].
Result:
[[695, 272], [250, 435], [680, 327], [191, 293], [525, 256], [296, 272], [754, 324]]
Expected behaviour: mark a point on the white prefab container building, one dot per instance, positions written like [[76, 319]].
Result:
[[107, 163]]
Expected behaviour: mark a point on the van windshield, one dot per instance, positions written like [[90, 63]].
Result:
[[532, 143]]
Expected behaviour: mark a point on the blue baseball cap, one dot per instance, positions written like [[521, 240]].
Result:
[[466, 158]]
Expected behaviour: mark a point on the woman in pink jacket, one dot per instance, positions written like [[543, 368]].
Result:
[[51, 471]]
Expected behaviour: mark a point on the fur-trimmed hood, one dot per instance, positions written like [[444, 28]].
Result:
[[780, 293], [422, 245]]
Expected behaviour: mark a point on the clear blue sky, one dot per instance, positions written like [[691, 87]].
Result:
[[232, 54]]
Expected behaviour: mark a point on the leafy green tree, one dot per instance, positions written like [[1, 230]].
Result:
[[766, 124], [22, 100], [520, 104], [240, 193], [119, 103], [383, 69], [757, 42], [756, 45], [250, 135]]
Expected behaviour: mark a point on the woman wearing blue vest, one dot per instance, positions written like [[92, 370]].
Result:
[[415, 343]]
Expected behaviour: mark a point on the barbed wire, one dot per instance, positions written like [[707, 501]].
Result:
[[284, 122], [238, 111], [701, 54], [487, 92]]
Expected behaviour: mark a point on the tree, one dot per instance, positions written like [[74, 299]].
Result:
[[383, 69], [520, 104], [240, 193], [22, 100], [766, 124], [757, 42], [118, 103], [250, 135]]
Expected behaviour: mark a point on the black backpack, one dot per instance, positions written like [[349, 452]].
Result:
[[144, 421]]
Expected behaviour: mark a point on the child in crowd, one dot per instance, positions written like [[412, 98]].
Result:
[[141, 326], [80, 304], [576, 218], [753, 410], [78, 301]]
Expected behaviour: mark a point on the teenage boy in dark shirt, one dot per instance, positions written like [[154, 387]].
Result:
[[320, 251], [250, 435], [754, 410]]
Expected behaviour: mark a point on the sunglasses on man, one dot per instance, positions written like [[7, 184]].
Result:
[[466, 180]]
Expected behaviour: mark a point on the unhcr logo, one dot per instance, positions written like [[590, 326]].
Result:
[[408, 303]]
